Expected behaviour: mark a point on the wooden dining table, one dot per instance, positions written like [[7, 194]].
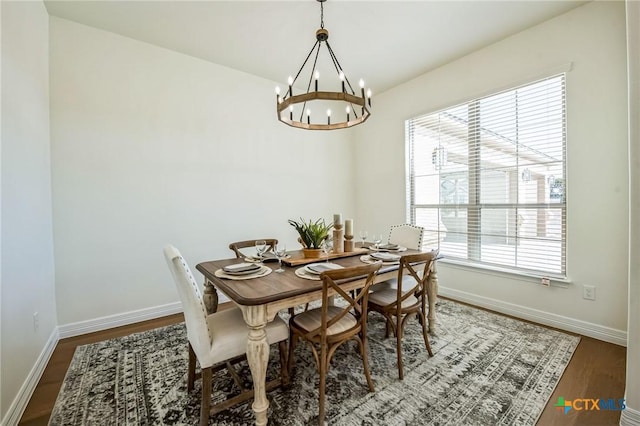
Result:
[[260, 300]]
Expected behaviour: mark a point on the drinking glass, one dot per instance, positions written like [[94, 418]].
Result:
[[280, 252], [377, 239], [363, 235], [261, 248], [327, 245]]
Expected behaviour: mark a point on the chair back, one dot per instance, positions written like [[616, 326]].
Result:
[[411, 264], [357, 302], [235, 247], [195, 312], [407, 235]]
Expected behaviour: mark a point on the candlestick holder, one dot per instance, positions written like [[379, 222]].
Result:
[[349, 244], [338, 234]]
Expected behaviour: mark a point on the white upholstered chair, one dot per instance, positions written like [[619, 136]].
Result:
[[217, 338], [406, 235]]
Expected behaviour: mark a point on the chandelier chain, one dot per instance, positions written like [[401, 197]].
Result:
[[321, 14]]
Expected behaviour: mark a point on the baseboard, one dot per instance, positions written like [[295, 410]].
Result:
[[630, 417], [19, 404], [607, 334], [117, 320]]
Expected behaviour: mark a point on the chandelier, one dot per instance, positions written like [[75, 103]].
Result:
[[296, 109]]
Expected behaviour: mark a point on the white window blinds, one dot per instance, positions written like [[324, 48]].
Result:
[[486, 179]]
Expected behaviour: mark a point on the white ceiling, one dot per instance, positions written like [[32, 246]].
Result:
[[384, 42]]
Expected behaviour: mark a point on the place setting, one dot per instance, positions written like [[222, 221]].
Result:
[[312, 271], [243, 271], [378, 256]]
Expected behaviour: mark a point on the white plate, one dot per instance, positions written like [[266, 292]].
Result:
[[318, 268]]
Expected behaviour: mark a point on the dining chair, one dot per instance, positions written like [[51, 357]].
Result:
[[407, 235], [327, 327], [235, 247], [216, 340], [271, 244], [405, 297]]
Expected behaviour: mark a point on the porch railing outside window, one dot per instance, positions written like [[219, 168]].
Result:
[[487, 179]]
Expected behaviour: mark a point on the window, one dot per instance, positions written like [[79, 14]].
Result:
[[486, 179]]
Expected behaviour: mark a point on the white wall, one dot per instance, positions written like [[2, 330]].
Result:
[[150, 146], [631, 416], [27, 239], [592, 37]]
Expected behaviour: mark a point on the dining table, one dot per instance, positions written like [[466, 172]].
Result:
[[261, 298]]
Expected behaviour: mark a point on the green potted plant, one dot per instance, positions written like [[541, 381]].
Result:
[[312, 234]]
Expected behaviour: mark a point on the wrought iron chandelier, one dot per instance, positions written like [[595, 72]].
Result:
[[290, 107]]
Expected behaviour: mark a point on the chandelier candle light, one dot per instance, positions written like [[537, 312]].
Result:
[[285, 104]]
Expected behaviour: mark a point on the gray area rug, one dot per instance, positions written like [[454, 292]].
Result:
[[487, 369]]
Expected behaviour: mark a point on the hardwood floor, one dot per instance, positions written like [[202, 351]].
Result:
[[597, 370]]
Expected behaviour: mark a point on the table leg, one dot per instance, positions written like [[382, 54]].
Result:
[[432, 295], [258, 358], [210, 297]]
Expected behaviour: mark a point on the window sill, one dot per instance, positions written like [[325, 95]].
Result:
[[505, 273]]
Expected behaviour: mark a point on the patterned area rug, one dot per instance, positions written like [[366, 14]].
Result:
[[487, 369]]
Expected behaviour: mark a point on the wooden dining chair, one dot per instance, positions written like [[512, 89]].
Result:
[[406, 235], [327, 327], [404, 298], [271, 244], [218, 340], [235, 247]]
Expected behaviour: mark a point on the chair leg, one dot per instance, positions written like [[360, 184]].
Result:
[[293, 341], [365, 362], [399, 347], [206, 396], [388, 328], [284, 367], [323, 373], [191, 371], [424, 333]]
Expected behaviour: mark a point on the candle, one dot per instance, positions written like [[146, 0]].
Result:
[[317, 75], [362, 87], [337, 219], [308, 116], [291, 112], [348, 109], [328, 116], [290, 81], [369, 96], [342, 80], [348, 227]]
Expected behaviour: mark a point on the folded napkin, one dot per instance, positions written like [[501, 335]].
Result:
[[241, 267], [386, 257], [323, 267], [389, 246]]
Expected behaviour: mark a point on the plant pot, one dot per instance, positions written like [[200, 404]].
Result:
[[312, 253]]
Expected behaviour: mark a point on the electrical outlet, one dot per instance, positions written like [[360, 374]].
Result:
[[36, 321], [589, 292], [545, 281]]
